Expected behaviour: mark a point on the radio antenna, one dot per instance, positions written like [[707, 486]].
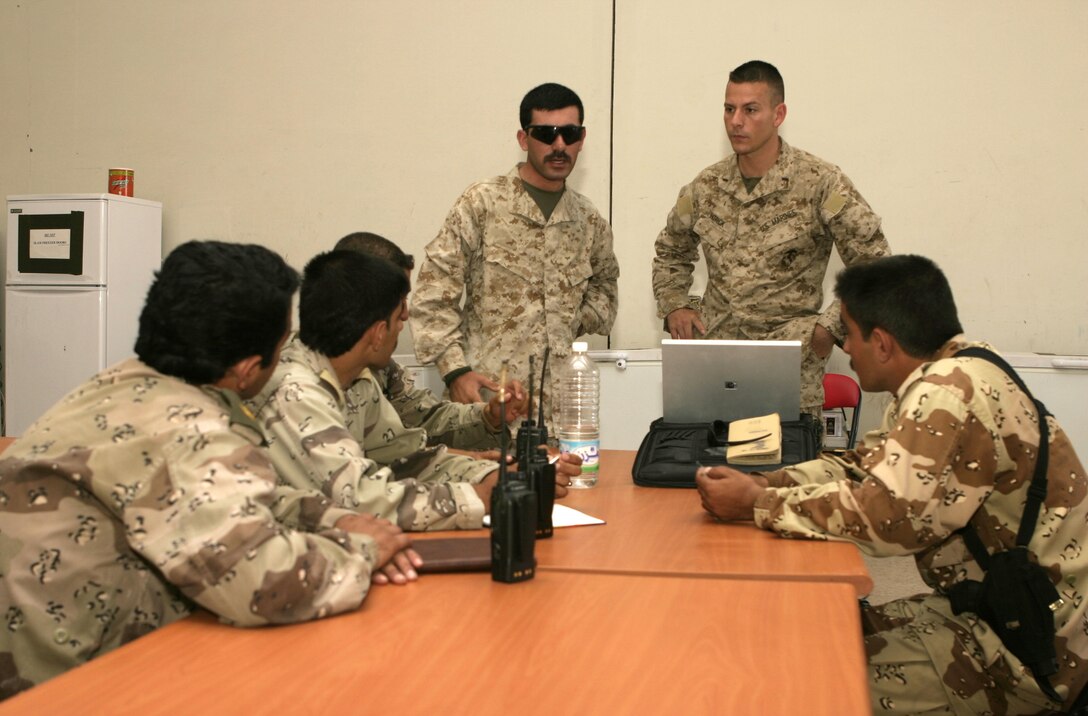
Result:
[[543, 370], [532, 378], [503, 447]]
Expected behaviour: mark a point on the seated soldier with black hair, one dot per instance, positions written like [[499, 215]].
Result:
[[144, 493], [329, 424], [957, 452], [465, 427]]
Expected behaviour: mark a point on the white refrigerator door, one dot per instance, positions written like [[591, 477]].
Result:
[[47, 241], [60, 343]]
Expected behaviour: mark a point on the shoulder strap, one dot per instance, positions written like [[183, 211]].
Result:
[[1037, 490], [1036, 494]]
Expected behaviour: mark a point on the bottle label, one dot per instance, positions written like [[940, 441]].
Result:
[[588, 450]]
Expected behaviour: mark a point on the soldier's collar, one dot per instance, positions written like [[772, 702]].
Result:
[[775, 179], [241, 416], [525, 205]]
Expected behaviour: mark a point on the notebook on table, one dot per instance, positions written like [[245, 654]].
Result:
[[703, 380], [454, 554]]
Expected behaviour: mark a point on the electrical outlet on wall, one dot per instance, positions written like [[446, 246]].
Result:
[[834, 429]]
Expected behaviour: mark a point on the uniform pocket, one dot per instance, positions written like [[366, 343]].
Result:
[[504, 264], [788, 250], [713, 234]]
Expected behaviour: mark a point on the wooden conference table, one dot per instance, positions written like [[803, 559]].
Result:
[[563, 643], [665, 531], [601, 628]]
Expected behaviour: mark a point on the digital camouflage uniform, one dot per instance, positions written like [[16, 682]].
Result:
[[958, 444], [138, 496], [352, 446], [766, 253], [447, 423], [527, 283]]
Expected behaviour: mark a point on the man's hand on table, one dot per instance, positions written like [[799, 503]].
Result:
[[397, 561], [567, 467], [728, 494]]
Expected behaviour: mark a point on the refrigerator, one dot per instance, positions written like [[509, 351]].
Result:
[[77, 270]]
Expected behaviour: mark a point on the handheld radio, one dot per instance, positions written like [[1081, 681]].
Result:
[[533, 459], [513, 515], [531, 434]]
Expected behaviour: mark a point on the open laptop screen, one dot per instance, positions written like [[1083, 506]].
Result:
[[704, 380]]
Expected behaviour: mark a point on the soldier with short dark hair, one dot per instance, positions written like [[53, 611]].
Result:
[[957, 451], [531, 258], [330, 426], [145, 493], [766, 218], [473, 429]]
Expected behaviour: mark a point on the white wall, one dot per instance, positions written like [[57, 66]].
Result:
[[963, 124], [291, 124]]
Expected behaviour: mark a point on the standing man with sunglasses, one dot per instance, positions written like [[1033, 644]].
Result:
[[531, 258], [766, 218]]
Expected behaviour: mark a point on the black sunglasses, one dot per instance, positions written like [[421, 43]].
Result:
[[571, 133]]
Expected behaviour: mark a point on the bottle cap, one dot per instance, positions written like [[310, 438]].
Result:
[[579, 347]]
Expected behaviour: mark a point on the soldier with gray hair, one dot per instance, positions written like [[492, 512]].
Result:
[[531, 258], [946, 478], [766, 218], [145, 493]]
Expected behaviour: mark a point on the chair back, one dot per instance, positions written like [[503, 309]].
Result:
[[840, 391]]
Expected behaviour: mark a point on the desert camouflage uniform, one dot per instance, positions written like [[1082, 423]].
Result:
[[958, 445], [766, 253], [352, 446], [447, 423], [527, 283], [138, 496]]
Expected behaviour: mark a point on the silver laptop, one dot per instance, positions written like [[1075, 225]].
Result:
[[727, 380]]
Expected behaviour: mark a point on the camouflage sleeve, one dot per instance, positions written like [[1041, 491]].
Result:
[[305, 509], [831, 319], [447, 423], [856, 230], [601, 300], [677, 251], [224, 549], [916, 487], [436, 315], [422, 489]]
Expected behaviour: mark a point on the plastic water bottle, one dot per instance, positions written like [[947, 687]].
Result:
[[579, 409]]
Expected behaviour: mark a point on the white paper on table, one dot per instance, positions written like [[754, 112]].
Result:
[[563, 516]]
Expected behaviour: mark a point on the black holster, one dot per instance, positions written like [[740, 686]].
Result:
[[1017, 600]]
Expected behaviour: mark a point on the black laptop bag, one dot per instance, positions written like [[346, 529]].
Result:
[[671, 452]]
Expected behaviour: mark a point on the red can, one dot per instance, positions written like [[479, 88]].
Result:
[[121, 181]]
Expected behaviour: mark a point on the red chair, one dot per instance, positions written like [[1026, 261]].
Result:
[[842, 392]]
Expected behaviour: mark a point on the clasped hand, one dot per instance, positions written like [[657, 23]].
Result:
[[397, 561], [728, 494]]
